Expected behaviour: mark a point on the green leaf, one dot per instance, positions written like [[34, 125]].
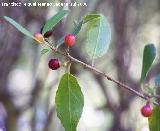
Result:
[[69, 102], [44, 51], [157, 80], [54, 20], [90, 17], [19, 27], [77, 28], [98, 37], [157, 85], [60, 42], [75, 23], [149, 55], [154, 120]]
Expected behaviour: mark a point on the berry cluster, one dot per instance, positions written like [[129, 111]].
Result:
[[40, 38], [69, 40]]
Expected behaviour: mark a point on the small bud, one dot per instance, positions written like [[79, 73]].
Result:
[[39, 37]]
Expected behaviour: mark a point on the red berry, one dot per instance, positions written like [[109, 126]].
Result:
[[54, 64], [146, 111], [70, 39], [38, 37]]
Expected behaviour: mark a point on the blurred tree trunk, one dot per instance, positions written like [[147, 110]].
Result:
[[11, 45], [122, 59], [10, 51]]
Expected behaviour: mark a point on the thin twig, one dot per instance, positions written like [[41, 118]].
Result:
[[93, 69]]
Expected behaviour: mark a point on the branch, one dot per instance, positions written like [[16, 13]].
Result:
[[93, 69]]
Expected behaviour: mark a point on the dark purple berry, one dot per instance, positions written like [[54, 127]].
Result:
[[48, 34], [54, 64]]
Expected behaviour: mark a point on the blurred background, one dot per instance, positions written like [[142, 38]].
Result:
[[28, 86]]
